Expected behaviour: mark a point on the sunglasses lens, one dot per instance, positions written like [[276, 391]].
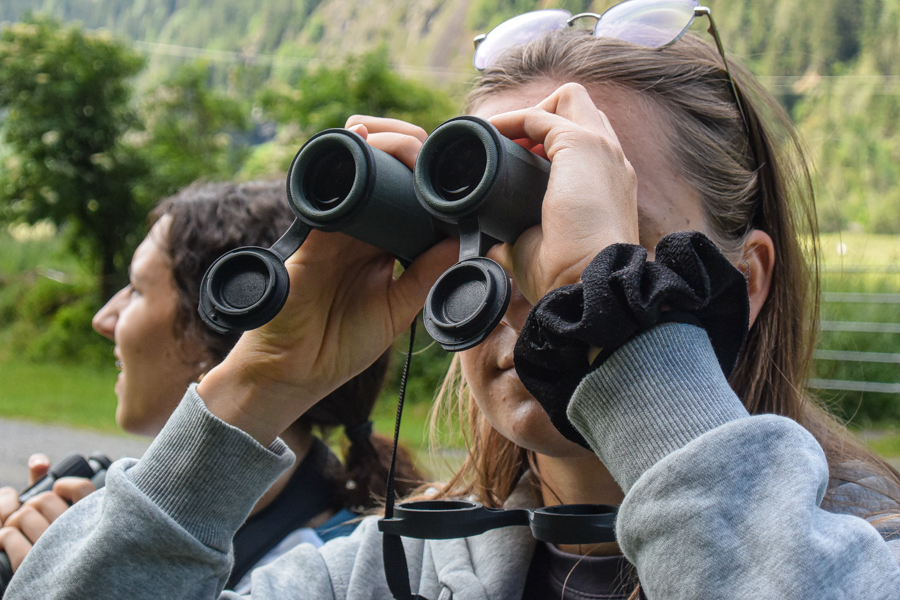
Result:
[[516, 31], [650, 23]]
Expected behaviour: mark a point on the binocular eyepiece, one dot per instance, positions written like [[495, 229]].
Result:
[[337, 182], [469, 181], [491, 189]]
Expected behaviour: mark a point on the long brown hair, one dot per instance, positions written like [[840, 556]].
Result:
[[759, 181]]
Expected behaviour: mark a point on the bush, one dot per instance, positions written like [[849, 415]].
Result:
[[47, 320]]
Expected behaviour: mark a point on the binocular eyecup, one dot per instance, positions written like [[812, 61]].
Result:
[[491, 189], [337, 182]]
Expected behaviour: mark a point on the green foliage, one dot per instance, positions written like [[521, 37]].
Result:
[[47, 320], [192, 131], [366, 84], [327, 96], [487, 14], [66, 97]]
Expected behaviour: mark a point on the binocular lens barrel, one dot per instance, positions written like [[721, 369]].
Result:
[[339, 183]]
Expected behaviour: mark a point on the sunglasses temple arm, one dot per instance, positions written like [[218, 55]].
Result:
[[714, 32]]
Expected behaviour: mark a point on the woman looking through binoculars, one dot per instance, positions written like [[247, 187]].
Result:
[[162, 346], [731, 488]]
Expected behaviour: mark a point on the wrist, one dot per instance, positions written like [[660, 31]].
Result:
[[239, 393]]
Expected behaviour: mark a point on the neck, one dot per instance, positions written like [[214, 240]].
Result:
[[582, 480], [299, 440]]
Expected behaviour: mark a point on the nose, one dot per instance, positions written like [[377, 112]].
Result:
[[104, 322]]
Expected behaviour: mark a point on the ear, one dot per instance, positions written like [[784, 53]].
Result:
[[759, 257]]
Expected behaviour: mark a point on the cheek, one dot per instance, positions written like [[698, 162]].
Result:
[[145, 336]]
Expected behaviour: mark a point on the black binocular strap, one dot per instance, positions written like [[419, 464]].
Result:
[[396, 570]]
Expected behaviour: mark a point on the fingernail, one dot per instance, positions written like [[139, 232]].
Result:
[[36, 461]]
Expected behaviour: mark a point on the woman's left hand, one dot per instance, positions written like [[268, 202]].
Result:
[[591, 199]]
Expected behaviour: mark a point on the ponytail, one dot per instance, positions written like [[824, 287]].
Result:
[[362, 483]]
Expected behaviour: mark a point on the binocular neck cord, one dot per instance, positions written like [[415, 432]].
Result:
[[395, 568]]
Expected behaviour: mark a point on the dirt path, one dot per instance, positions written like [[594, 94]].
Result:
[[20, 439]]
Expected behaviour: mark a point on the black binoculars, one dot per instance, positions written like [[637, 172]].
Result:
[[469, 181], [74, 465]]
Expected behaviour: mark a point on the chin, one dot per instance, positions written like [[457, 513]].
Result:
[[528, 426], [132, 423]]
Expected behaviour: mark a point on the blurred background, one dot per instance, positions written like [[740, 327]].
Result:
[[108, 105]]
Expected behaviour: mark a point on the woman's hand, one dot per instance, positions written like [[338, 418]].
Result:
[[23, 528], [38, 465], [344, 309], [591, 199]]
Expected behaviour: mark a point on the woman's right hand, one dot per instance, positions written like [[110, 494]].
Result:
[[343, 311]]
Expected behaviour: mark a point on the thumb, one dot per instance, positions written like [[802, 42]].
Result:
[[411, 288], [38, 465]]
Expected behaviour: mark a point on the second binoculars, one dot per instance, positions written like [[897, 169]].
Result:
[[469, 181]]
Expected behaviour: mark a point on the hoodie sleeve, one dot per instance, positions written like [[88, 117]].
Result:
[[720, 504]]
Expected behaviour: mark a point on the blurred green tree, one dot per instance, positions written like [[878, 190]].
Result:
[[192, 131], [64, 97], [326, 96], [365, 84]]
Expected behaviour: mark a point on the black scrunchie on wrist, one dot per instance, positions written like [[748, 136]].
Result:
[[621, 294]]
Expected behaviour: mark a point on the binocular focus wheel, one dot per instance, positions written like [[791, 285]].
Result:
[[467, 303], [244, 289]]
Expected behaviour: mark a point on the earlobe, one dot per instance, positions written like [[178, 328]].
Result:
[[758, 263]]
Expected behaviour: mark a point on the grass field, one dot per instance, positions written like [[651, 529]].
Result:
[[61, 394]]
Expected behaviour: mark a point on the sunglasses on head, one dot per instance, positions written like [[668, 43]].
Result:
[[648, 23]]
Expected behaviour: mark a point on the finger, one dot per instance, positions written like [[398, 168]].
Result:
[[404, 148], [525, 263], [15, 545], [408, 293], [384, 124], [38, 465], [29, 521], [49, 504], [360, 130], [9, 503], [73, 489], [539, 126], [572, 102]]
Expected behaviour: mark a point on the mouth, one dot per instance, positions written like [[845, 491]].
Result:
[[119, 365]]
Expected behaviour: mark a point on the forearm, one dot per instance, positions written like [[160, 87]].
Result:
[[719, 504], [163, 527]]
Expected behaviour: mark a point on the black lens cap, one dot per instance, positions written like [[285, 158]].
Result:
[[243, 289], [574, 523], [467, 303]]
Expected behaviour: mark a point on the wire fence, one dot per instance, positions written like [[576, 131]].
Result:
[[891, 327]]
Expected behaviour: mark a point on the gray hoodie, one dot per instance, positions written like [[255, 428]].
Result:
[[718, 504]]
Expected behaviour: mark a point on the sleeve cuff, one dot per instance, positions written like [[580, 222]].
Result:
[[205, 474], [654, 395]]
